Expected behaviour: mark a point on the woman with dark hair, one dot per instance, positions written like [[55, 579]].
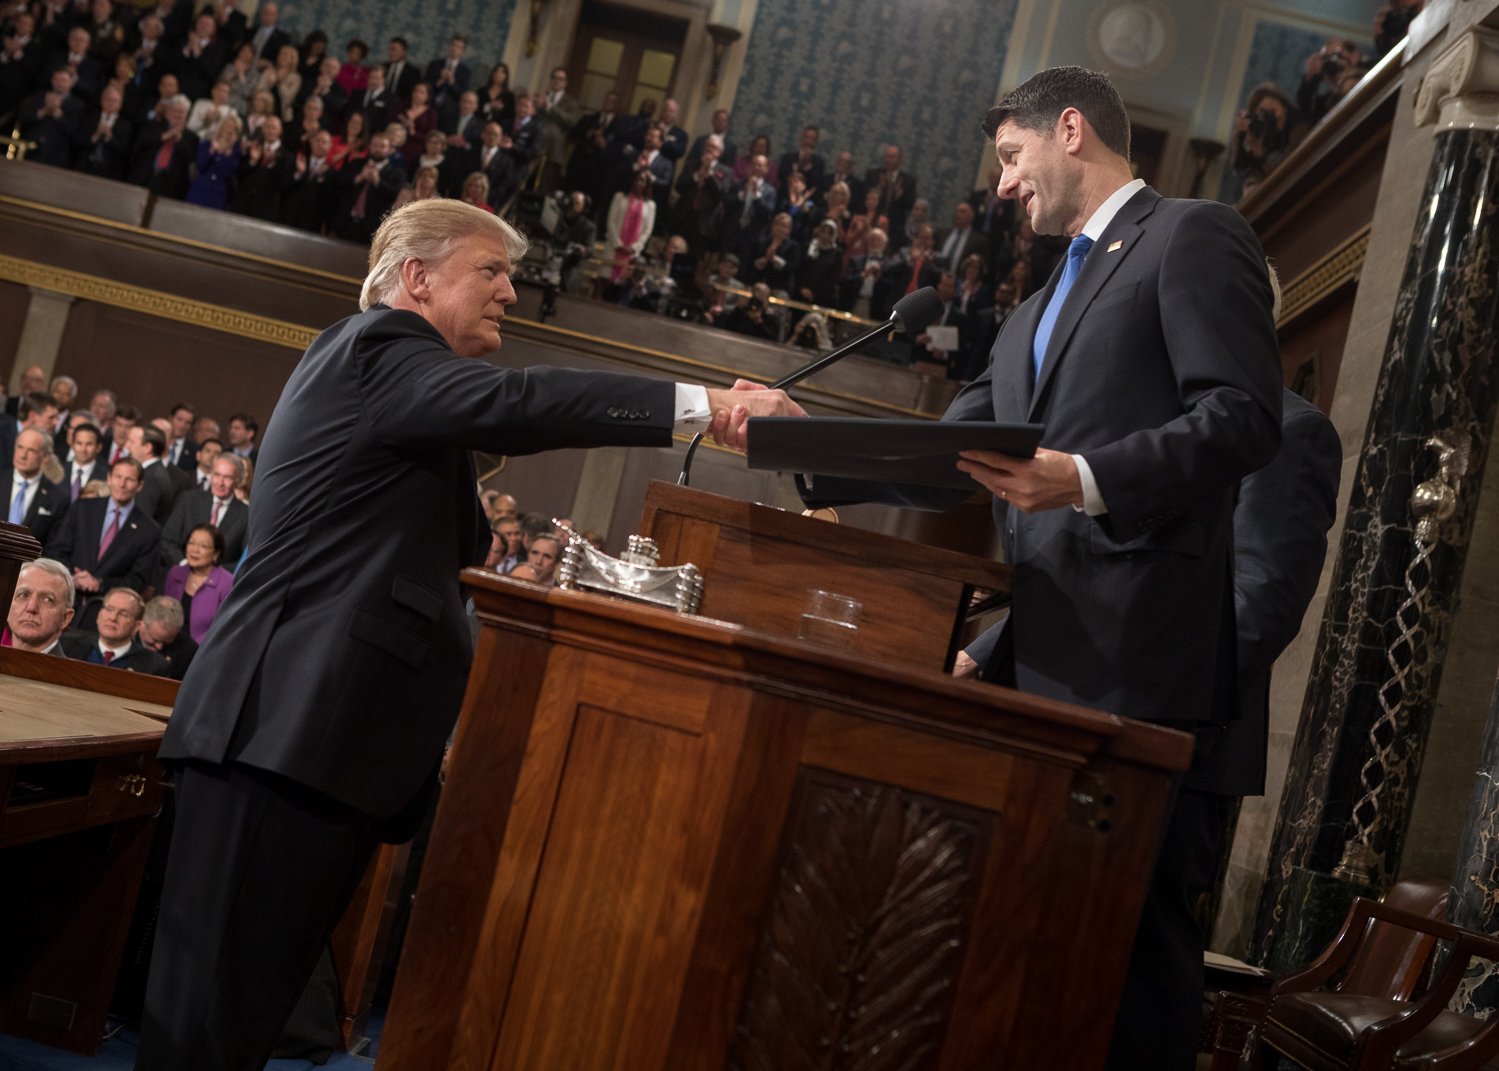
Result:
[[355, 140], [200, 583], [496, 99], [420, 119], [353, 76], [632, 217], [759, 146], [314, 51]]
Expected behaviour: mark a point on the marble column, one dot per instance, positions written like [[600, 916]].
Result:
[[1369, 702], [41, 334], [1474, 903]]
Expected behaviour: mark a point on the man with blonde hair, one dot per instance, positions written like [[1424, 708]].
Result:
[[312, 721]]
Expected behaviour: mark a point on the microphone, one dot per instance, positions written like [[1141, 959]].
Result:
[[911, 314]]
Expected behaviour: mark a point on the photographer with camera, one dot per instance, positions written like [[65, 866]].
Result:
[[1329, 73], [1392, 22], [1265, 131]]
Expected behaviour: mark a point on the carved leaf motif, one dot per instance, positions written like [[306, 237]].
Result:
[[860, 954]]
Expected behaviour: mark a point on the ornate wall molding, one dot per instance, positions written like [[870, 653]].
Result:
[[1337, 269], [155, 303]]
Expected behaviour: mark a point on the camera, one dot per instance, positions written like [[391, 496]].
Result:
[[1263, 123]]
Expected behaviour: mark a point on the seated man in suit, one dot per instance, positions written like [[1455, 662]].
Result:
[[41, 607], [115, 644], [32, 499], [108, 542], [217, 506], [161, 630]]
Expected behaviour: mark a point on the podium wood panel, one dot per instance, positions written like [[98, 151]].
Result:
[[760, 562], [667, 842]]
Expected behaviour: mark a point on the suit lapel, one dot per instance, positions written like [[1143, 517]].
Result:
[[1104, 259], [1014, 361]]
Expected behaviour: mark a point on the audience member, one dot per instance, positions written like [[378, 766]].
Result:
[[1265, 131], [818, 275], [632, 216], [1328, 74], [115, 643], [165, 152], [50, 117], [497, 99], [107, 542], [897, 190], [217, 507], [200, 583], [719, 135], [217, 166], [353, 75], [448, 75], [104, 137], [33, 500], [401, 76], [84, 463], [160, 483], [160, 630], [804, 161], [41, 607]]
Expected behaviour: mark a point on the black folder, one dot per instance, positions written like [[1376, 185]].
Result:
[[889, 451]]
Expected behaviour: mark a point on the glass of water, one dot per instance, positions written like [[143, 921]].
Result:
[[830, 619]]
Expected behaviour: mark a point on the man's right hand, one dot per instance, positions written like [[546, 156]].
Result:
[[733, 408]]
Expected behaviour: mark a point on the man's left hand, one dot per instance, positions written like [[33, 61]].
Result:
[[1047, 481], [732, 408]]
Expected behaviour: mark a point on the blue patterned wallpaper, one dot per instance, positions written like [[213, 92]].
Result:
[[1277, 53], [869, 72], [426, 24]]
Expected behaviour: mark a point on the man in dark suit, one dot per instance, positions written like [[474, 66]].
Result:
[[34, 409], [448, 75], [22, 60], [400, 73], [87, 464], [1151, 359], [41, 608], [102, 139], [961, 240], [30, 498], [217, 506], [496, 165], [267, 38], [897, 191], [165, 151], [108, 542], [114, 644], [50, 117], [376, 101], [319, 705], [161, 630], [368, 192], [719, 135], [266, 172], [160, 483], [805, 160], [748, 210]]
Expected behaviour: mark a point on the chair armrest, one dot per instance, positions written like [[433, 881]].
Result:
[[1380, 1041], [1334, 957]]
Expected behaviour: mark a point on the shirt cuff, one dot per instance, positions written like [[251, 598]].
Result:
[[692, 404], [1093, 504]]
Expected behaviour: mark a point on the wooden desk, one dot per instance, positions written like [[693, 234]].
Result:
[[80, 789]]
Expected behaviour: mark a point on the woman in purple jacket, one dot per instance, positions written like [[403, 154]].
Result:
[[200, 583]]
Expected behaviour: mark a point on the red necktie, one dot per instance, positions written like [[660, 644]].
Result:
[[109, 656], [110, 532], [164, 155], [214, 520], [915, 274]]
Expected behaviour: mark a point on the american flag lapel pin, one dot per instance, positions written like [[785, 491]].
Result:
[[1118, 245]]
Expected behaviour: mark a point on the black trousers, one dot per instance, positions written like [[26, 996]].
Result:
[[1160, 1012], [259, 872]]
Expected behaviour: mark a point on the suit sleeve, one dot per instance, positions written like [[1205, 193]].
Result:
[[1280, 538], [1215, 300], [60, 547], [418, 392]]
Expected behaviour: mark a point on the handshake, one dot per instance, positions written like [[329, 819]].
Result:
[[732, 409]]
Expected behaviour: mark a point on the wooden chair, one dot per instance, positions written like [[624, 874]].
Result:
[[1377, 1015], [1390, 962]]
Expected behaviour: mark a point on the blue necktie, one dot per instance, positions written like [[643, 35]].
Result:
[[18, 505], [1076, 252]]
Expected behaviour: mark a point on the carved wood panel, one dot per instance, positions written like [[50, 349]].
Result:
[[868, 916]]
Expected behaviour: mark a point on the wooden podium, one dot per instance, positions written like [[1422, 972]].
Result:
[[669, 842]]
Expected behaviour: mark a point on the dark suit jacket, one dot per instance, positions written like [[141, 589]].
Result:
[[725, 159], [84, 646], [172, 180], [376, 107], [1164, 374], [131, 558], [98, 470], [159, 490], [194, 508], [401, 86], [178, 655], [105, 158], [49, 505], [272, 44], [1281, 522], [340, 657]]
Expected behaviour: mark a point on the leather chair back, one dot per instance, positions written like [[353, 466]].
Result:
[[1391, 962]]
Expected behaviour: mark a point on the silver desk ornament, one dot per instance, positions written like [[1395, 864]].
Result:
[[635, 575]]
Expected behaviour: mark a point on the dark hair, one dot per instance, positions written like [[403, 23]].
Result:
[[1039, 101], [458, 37], [128, 413], [89, 427], [36, 401], [213, 533], [247, 420], [400, 41], [354, 42], [182, 405], [126, 459], [154, 440], [211, 439]]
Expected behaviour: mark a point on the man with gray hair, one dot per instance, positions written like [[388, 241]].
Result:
[[312, 722], [217, 506], [160, 630], [41, 607]]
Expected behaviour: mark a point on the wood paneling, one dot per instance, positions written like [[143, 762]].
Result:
[[14, 301], [154, 363]]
